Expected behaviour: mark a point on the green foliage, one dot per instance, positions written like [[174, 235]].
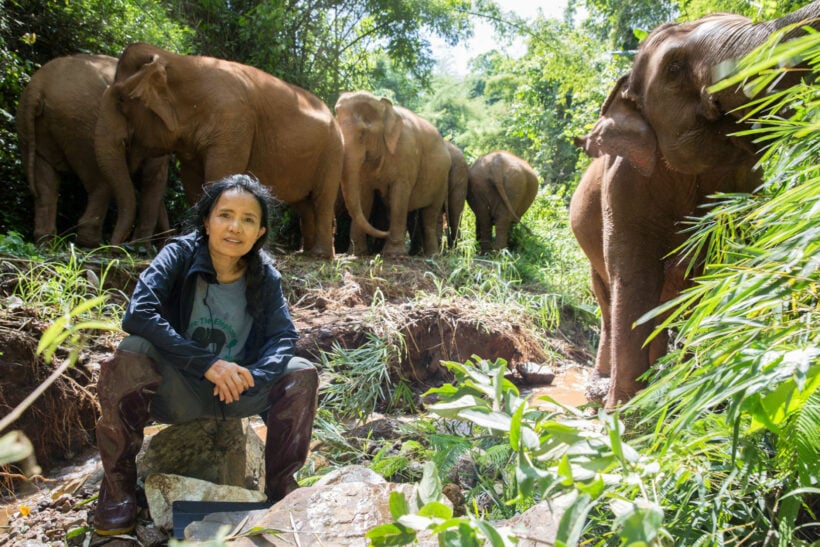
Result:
[[13, 244], [613, 21], [328, 46], [14, 447], [360, 377], [721, 448], [724, 441], [758, 11], [68, 331], [427, 512], [57, 283]]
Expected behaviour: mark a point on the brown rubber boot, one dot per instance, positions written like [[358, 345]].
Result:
[[290, 424], [127, 383]]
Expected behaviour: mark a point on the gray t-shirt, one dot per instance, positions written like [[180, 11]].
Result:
[[219, 319]]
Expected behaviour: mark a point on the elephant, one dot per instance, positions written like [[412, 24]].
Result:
[[457, 183], [392, 151], [670, 79], [501, 187], [663, 145], [220, 117], [454, 206], [56, 119]]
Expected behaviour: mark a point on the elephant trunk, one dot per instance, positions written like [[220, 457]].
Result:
[[30, 106], [110, 140], [351, 190]]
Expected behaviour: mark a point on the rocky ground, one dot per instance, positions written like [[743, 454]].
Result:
[[333, 304]]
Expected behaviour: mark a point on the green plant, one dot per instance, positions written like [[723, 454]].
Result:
[[68, 330], [58, 283], [741, 392], [13, 244], [360, 378], [426, 511]]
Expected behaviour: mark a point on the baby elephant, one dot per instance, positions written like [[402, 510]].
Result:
[[501, 188]]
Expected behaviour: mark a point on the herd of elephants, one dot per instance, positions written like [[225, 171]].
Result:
[[663, 144], [115, 123]]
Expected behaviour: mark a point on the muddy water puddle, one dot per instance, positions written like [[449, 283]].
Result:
[[567, 388]]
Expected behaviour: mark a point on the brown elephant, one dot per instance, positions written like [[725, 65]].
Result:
[[392, 151], [501, 188], [220, 117], [454, 206], [663, 147], [670, 79], [457, 184], [56, 119]]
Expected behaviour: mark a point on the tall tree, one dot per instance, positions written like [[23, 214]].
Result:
[[327, 46]]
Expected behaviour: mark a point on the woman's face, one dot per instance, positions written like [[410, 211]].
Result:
[[234, 224]]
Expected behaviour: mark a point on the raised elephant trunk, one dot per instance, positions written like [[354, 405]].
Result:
[[351, 190], [110, 141]]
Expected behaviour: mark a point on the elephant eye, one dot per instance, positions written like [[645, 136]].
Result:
[[676, 69]]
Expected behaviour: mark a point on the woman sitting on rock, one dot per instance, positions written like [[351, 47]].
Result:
[[210, 334]]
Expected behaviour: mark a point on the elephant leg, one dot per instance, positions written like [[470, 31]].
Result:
[[453, 225], [484, 230], [323, 202], [307, 223], [193, 179], [603, 359], [635, 291], [430, 219], [415, 231], [47, 184], [395, 244], [502, 232], [154, 180], [358, 238], [99, 193], [89, 227], [163, 224]]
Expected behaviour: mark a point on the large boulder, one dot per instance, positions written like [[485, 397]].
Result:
[[163, 490], [339, 512], [219, 451]]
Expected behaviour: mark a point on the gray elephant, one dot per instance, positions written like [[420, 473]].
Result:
[[219, 118], [392, 151], [56, 119], [501, 188], [664, 144]]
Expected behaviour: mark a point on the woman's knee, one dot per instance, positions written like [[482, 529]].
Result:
[[297, 363], [136, 344]]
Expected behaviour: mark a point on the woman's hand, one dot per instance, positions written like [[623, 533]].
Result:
[[230, 380]]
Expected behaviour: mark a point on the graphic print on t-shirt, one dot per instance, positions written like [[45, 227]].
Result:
[[219, 320], [212, 338]]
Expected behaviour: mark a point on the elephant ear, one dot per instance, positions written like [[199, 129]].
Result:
[[392, 126], [621, 130], [150, 86]]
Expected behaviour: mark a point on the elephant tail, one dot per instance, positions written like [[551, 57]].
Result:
[[32, 105], [498, 183], [497, 180]]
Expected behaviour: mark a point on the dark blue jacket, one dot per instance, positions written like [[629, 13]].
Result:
[[161, 305]]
